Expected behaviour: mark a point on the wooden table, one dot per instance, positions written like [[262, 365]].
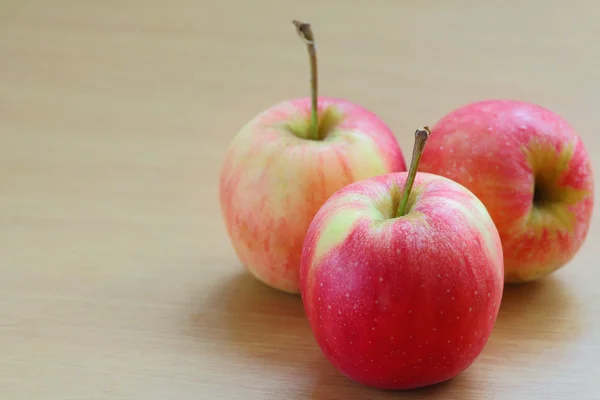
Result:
[[117, 280]]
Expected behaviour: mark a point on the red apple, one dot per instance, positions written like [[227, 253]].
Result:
[[402, 290], [285, 163], [530, 169]]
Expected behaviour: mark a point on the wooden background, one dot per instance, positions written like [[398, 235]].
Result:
[[117, 280]]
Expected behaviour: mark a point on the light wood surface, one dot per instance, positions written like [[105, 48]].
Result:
[[117, 280]]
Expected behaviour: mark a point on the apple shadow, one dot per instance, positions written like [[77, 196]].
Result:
[[331, 384], [245, 318], [537, 316]]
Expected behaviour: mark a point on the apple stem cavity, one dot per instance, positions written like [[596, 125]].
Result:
[[421, 136], [305, 32]]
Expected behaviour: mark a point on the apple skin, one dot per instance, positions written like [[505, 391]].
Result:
[[405, 302], [273, 181], [503, 150]]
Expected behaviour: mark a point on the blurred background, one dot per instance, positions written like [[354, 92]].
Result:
[[116, 276]]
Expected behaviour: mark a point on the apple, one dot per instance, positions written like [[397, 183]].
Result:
[[285, 163], [402, 286], [530, 169]]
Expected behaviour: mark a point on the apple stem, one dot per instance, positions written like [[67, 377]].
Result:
[[305, 32], [421, 136]]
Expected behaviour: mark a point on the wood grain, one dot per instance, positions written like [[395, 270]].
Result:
[[117, 280]]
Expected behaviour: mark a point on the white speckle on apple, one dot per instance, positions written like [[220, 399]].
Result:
[[321, 284], [373, 328], [448, 341], [476, 292], [447, 290], [392, 338], [470, 309], [410, 337], [339, 312], [348, 295], [329, 307], [452, 297], [439, 276], [418, 359], [397, 251], [376, 301], [441, 312], [434, 329], [457, 317], [381, 279], [410, 311], [489, 294]]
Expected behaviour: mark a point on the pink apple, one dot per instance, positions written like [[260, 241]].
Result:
[[402, 299], [278, 172], [530, 169]]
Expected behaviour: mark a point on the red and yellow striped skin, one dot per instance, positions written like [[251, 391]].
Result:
[[502, 150], [273, 182], [402, 302]]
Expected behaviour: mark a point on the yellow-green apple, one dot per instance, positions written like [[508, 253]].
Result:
[[530, 169], [402, 287], [283, 165]]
